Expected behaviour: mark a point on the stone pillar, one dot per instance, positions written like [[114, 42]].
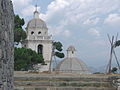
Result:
[[6, 45]]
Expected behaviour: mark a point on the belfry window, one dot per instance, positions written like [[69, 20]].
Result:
[[32, 33], [40, 49], [39, 32], [72, 52]]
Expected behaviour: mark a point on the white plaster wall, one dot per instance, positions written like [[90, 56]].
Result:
[[47, 50], [44, 67], [31, 45], [44, 32]]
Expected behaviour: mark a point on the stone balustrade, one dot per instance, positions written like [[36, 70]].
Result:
[[40, 38]]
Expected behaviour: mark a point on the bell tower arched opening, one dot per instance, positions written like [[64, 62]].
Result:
[[40, 49]]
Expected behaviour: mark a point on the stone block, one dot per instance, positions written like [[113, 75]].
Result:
[[118, 88], [0, 53], [31, 88]]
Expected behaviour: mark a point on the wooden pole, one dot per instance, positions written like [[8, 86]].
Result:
[[116, 59], [115, 53], [111, 53]]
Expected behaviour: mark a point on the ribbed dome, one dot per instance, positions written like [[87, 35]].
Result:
[[72, 65], [71, 48], [36, 23]]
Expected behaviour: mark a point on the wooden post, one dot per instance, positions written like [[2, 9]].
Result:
[[112, 52]]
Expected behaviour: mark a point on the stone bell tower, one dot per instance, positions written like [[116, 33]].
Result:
[[38, 39]]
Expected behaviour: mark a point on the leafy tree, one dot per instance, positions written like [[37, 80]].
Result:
[[25, 58], [18, 22], [117, 43], [58, 49], [114, 70], [19, 33]]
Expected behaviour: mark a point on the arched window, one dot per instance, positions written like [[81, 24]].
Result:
[[32, 33], [40, 49], [45, 32], [72, 52], [39, 32]]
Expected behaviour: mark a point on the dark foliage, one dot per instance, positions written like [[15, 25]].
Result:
[[24, 59], [58, 49]]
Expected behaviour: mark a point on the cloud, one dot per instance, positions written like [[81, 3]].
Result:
[[67, 33], [25, 8], [77, 13], [28, 11], [57, 5], [70, 13], [94, 32], [55, 31], [80, 9], [78, 18], [91, 21], [21, 3], [113, 19], [58, 31]]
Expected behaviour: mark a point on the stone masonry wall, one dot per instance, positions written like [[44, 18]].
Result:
[[6, 45]]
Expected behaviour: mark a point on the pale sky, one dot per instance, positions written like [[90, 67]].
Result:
[[82, 23]]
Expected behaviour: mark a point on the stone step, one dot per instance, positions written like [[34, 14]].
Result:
[[62, 83], [61, 79], [62, 88]]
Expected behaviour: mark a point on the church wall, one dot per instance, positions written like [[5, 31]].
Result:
[[44, 32], [32, 45], [47, 51], [71, 54], [47, 48]]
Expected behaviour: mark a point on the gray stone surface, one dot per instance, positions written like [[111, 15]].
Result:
[[65, 88], [41, 81], [6, 45]]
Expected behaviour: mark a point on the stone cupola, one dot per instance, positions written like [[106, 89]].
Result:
[[71, 52]]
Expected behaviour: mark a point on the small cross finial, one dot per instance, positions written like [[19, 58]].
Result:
[[36, 13], [36, 7]]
